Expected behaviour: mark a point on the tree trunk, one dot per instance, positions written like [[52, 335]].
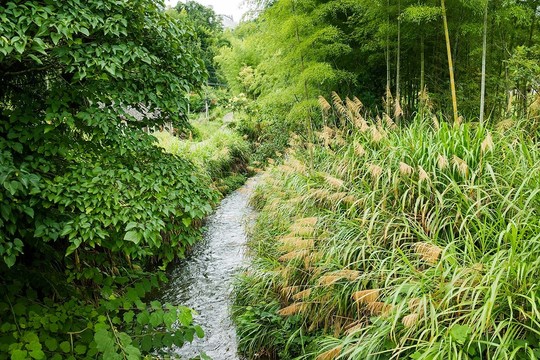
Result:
[[484, 55], [398, 66], [450, 63], [388, 60], [422, 64]]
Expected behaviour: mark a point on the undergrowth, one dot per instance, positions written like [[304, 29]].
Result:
[[218, 151], [383, 242]]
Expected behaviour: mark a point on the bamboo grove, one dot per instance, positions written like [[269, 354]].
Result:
[[396, 55]]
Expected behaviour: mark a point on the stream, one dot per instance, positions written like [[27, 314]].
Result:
[[203, 281]]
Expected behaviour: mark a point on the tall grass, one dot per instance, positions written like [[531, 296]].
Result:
[[219, 151], [426, 245]]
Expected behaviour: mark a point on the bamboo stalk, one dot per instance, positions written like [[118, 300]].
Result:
[[450, 64]]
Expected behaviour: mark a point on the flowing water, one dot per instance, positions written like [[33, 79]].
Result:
[[203, 281]]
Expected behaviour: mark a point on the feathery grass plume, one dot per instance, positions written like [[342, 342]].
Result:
[[338, 105], [410, 320], [442, 162], [298, 166], [322, 196], [333, 181], [487, 144], [354, 107], [414, 305], [295, 140], [326, 135], [428, 252], [331, 354], [286, 169], [359, 150], [378, 122], [405, 169], [294, 255], [354, 327], [358, 102], [302, 295], [295, 243], [308, 221], [389, 122], [312, 259], [379, 308], [422, 174], [504, 125], [459, 121], [285, 272], [325, 105], [302, 230], [339, 140], [329, 279], [361, 123], [461, 165], [288, 291], [376, 135], [436, 124], [342, 170], [398, 110], [366, 296], [375, 171], [295, 308], [342, 197]]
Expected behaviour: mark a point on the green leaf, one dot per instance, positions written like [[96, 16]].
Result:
[[20, 46], [133, 236], [55, 37], [104, 341], [65, 346], [143, 318], [10, 260], [37, 354], [131, 225], [80, 349], [19, 355], [199, 331], [156, 318], [169, 319], [459, 333], [51, 344], [132, 353], [128, 316]]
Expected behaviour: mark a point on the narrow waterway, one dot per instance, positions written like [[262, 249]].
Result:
[[204, 280]]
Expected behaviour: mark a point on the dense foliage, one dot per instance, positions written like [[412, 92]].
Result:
[[208, 29], [88, 202], [216, 149], [379, 242], [297, 50]]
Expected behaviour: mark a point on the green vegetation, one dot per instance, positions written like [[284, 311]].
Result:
[[216, 149], [379, 242], [406, 226], [394, 50], [90, 207]]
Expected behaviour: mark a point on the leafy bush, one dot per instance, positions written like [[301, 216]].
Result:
[[87, 201], [418, 242]]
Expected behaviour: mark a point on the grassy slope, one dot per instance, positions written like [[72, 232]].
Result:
[[421, 243]]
